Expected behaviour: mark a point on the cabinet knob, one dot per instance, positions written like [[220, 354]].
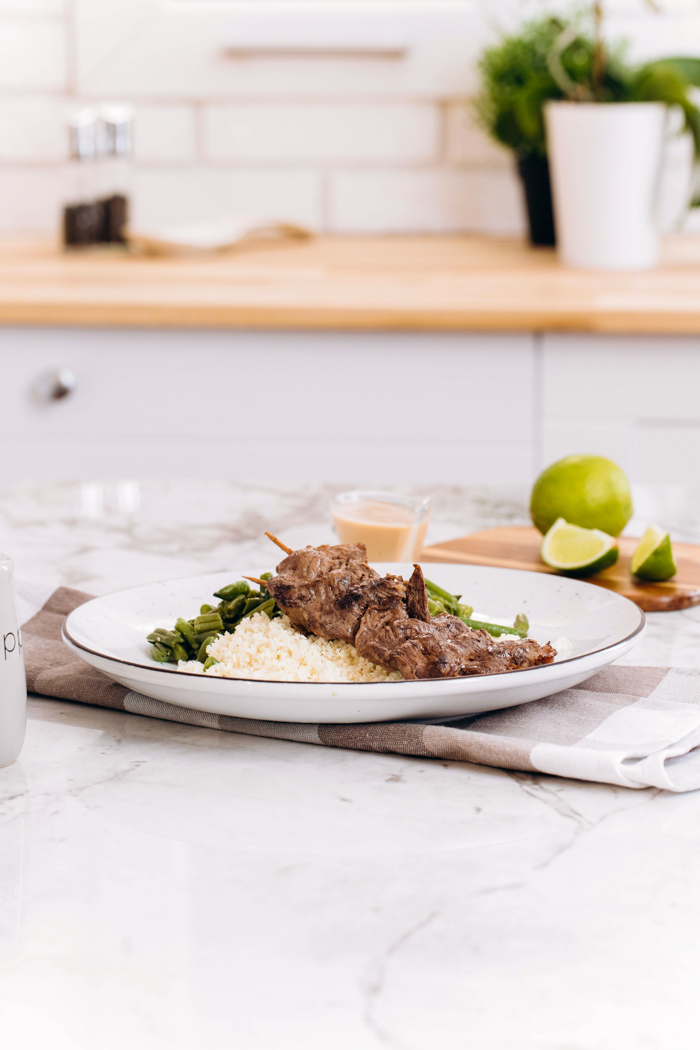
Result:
[[56, 385]]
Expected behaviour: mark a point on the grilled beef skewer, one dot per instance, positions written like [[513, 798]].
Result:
[[417, 597], [332, 592]]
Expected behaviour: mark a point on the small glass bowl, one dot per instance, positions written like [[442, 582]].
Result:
[[391, 526]]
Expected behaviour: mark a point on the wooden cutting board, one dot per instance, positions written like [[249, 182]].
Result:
[[518, 547]]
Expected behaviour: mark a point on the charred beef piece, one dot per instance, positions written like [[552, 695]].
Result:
[[310, 563], [325, 590], [330, 591], [417, 596], [443, 648]]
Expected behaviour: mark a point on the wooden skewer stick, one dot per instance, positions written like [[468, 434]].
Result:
[[282, 546], [253, 579]]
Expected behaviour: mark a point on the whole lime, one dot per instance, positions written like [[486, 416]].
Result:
[[590, 491]]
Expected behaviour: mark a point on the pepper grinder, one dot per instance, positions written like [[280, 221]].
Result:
[[114, 149], [82, 214]]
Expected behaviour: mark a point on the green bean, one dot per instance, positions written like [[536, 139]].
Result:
[[199, 638], [267, 576], [462, 612], [161, 653], [190, 638], [233, 610], [209, 662], [169, 638], [448, 600], [521, 623], [210, 621], [439, 592], [495, 629], [232, 590], [186, 630], [202, 654], [266, 607]]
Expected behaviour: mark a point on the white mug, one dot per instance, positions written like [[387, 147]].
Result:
[[13, 684]]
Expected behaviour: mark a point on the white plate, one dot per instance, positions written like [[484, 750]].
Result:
[[110, 633]]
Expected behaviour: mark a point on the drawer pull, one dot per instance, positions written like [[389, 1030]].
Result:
[[57, 385], [385, 54]]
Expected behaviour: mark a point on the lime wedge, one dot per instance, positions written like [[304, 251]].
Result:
[[576, 551], [653, 558]]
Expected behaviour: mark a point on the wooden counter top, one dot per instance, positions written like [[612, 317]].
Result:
[[449, 283]]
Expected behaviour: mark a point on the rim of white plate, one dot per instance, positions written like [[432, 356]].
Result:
[[162, 669]]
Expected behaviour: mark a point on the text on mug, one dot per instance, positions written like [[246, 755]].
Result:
[[12, 642]]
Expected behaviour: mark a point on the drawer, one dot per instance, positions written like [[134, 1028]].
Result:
[[634, 399], [413, 406], [386, 48], [636, 377]]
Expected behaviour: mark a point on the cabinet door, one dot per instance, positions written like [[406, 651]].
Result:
[[390, 48], [343, 406], [635, 399]]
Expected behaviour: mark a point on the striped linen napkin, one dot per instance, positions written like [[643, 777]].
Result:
[[633, 726]]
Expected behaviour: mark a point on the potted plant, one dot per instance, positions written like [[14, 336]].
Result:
[[606, 142], [560, 93], [513, 73]]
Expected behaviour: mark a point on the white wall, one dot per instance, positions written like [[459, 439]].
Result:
[[343, 160]]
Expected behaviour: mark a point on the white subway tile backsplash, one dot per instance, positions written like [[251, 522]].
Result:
[[467, 144], [675, 188], [165, 134], [171, 195], [32, 8], [691, 222], [435, 201], [358, 143], [32, 129], [651, 35], [30, 199], [32, 55], [381, 132]]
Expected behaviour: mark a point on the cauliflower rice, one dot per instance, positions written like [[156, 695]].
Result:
[[272, 650]]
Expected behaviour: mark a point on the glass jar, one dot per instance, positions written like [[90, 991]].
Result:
[[83, 217], [114, 165]]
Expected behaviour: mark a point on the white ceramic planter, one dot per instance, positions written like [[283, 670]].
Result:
[[13, 687], [605, 161]]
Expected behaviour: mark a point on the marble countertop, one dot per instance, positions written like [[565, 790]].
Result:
[[165, 887]]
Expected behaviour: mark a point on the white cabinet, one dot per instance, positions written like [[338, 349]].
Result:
[[449, 408], [329, 48], [635, 399], [323, 48], [338, 406]]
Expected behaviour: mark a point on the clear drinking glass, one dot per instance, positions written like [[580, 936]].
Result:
[[391, 526], [13, 684]]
